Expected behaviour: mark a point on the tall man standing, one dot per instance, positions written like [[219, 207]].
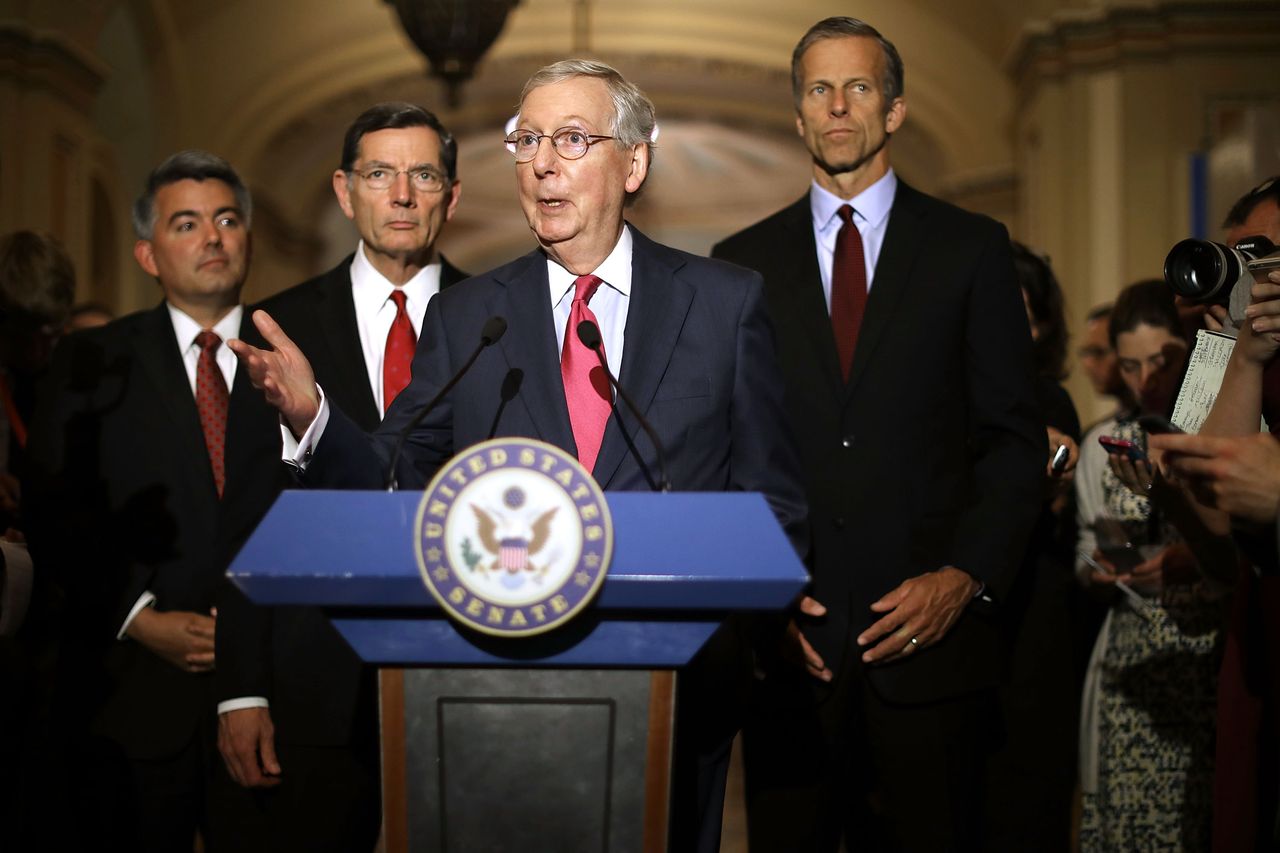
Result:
[[358, 325], [688, 337], [908, 365], [146, 473]]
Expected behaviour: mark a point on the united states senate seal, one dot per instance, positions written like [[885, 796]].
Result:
[[513, 537]]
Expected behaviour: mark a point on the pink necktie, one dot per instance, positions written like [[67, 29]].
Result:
[[397, 358], [848, 289], [211, 403], [586, 388]]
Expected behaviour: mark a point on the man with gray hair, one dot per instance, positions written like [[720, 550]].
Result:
[[687, 336], [149, 463]]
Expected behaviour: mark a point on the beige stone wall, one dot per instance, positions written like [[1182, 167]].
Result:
[[1072, 121]]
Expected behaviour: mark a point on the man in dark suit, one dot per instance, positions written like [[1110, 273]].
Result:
[[698, 357], [146, 472], [908, 368], [398, 183]]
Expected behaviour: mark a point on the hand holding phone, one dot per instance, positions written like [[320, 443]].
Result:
[[1158, 424], [1122, 446]]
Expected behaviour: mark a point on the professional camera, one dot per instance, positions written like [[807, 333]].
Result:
[[1208, 273]]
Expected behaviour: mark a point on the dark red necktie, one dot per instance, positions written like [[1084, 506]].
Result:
[[848, 289], [16, 425], [211, 402], [397, 358], [586, 388]]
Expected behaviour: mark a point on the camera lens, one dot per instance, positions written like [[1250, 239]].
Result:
[[1202, 271]]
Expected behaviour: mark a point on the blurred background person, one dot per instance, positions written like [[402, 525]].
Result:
[[1146, 752], [1097, 358], [37, 283], [1032, 771], [88, 315]]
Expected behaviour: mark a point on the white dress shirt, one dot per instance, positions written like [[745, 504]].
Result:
[[870, 215], [185, 331], [375, 310], [609, 304]]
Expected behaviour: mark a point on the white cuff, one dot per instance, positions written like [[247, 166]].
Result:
[[15, 586], [242, 703], [144, 600], [297, 451]]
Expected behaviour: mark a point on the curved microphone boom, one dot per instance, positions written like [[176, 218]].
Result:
[[494, 328], [589, 334]]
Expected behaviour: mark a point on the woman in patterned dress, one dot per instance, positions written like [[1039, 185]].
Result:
[[1147, 733]]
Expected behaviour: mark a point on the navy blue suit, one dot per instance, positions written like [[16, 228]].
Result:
[[699, 362]]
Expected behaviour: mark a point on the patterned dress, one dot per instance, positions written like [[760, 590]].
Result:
[[1147, 730]]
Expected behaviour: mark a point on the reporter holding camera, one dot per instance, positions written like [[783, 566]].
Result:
[[1234, 473]]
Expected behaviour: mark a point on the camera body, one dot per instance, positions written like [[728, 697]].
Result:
[[1208, 273]]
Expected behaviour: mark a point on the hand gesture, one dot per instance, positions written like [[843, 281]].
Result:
[[282, 373]]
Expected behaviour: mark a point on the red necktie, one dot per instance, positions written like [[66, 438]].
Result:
[[848, 289], [397, 358], [211, 402], [586, 388], [16, 425]]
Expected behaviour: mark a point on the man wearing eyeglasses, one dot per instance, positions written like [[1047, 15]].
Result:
[[358, 325], [687, 335]]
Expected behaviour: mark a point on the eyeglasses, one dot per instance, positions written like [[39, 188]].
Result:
[[422, 178], [569, 142]]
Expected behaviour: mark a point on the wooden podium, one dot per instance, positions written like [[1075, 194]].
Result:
[[559, 741]]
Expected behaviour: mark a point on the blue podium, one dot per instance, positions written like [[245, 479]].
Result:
[[490, 742]]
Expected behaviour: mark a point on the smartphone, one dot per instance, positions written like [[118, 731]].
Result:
[[1060, 459], [1157, 424], [1140, 605], [1111, 444]]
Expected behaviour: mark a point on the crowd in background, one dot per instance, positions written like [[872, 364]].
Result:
[[1138, 667]]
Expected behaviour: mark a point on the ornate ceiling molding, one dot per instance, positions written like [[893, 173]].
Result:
[[1097, 38], [51, 61]]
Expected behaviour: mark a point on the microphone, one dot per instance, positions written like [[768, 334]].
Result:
[[494, 328], [589, 334]]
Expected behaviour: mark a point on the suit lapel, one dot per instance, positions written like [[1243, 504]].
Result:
[[892, 279], [336, 315], [156, 352], [803, 297], [524, 300], [660, 301]]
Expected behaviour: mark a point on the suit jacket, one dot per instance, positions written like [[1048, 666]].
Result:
[[122, 500], [292, 655], [932, 453], [698, 361]]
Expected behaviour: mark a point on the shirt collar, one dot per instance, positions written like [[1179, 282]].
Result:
[[185, 329], [615, 270], [371, 288], [872, 204]]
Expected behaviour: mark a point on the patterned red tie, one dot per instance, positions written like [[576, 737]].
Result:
[[848, 289], [211, 402], [397, 358], [586, 388]]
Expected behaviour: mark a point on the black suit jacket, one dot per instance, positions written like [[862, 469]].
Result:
[[293, 656], [121, 500], [699, 362], [932, 453]]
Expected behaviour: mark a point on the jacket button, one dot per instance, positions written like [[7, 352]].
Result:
[[846, 442]]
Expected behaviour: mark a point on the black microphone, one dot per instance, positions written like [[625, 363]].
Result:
[[494, 328], [589, 334]]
